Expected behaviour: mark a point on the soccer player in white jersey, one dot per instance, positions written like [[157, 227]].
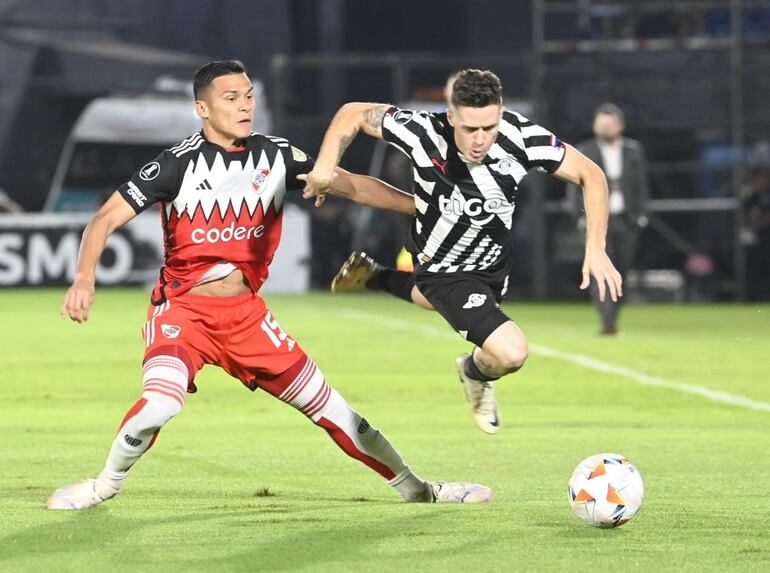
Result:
[[467, 164], [221, 193]]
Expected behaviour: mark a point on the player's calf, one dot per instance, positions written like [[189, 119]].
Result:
[[305, 388], [165, 383]]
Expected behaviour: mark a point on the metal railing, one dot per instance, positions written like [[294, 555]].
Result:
[[337, 79]]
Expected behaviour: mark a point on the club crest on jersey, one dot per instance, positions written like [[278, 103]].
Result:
[[258, 178], [504, 166], [170, 330], [149, 171]]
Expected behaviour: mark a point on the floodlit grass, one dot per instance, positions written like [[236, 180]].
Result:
[[242, 482]]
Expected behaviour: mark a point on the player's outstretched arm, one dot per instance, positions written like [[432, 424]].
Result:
[[578, 169], [115, 213], [368, 191], [348, 121]]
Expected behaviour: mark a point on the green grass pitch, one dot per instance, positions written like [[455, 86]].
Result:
[[241, 482]]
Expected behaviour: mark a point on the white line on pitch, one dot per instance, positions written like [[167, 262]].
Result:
[[578, 359]]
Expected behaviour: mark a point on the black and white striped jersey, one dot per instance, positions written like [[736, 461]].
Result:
[[464, 210]]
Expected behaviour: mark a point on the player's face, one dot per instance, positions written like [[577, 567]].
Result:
[[608, 126], [227, 109], [475, 129]]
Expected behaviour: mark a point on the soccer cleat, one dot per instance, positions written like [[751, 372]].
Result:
[[79, 496], [460, 492], [480, 397], [355, 273]]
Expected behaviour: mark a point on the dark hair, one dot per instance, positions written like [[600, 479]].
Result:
[[211, 71], [476, 88], [611, 109]]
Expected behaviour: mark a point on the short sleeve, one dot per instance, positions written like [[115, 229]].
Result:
[[297, 163], [404, 128], [543, 150], [154, 182]]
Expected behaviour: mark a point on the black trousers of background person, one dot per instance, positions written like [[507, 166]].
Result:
[[621, 247], [330, 239]]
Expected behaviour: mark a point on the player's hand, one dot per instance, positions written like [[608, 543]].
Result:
[[598, 265], [317, 184], [319, 199], [78, 301]]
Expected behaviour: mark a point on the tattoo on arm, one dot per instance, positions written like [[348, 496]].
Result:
[[373, 118], [373, 126], [344, 143]]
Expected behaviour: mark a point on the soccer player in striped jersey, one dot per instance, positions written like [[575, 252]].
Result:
[[467, 164], [221, 193]]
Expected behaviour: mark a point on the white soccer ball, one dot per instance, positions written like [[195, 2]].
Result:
[[606, 490]]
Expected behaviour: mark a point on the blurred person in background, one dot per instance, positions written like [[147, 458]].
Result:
[[331, 233], [450, 82], [467, 164], [625, 165], [222, 191], [756, 207]]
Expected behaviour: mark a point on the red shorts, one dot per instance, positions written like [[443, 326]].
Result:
[[237, 333]]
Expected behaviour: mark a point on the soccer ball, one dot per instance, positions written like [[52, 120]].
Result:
[[606, 490]]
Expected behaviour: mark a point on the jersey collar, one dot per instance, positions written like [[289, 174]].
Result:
[[236, 149]]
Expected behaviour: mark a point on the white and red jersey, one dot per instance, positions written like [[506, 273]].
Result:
[[218, 205]]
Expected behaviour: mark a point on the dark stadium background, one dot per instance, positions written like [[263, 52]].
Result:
[[692, 77]]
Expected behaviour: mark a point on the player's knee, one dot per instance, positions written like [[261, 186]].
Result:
[[511, 357], [165, 386], [158, 410]]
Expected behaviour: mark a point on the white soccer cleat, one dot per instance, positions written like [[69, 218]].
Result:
[[79, 496], [460, 492], [480, 397]]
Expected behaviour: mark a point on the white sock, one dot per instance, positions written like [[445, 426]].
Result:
[[310, 393], [165, 384], [411, 487]]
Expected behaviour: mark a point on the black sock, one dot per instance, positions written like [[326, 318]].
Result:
[[397, 283], [472, 371]]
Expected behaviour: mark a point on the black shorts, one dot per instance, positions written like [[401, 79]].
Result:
[[470, 302]]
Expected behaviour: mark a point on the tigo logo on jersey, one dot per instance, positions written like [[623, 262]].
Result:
[[149, 171], [258, 178], [459, 205], [475, 300], [170, 331]]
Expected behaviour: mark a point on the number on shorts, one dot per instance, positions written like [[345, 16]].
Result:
[[275, 333]]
